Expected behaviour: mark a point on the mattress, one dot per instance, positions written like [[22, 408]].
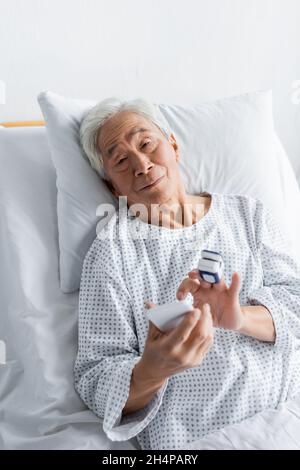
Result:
[[39, 407]]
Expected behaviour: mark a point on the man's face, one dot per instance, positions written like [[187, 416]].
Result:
[[136, 154]]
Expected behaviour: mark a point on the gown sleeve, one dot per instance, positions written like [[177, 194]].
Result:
[[280, 292]]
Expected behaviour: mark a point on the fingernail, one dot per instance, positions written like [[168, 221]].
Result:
[[180, 295], [207, 307]]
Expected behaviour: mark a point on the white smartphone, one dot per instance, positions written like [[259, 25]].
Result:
[[168, 316]]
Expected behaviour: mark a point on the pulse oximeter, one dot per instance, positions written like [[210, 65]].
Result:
[[210, 266]]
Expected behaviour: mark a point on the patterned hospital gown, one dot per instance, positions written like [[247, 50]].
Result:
[[240, 376]]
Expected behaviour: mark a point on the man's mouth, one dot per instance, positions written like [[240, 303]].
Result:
[[152, 184]]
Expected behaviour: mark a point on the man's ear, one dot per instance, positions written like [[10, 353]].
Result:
[[173, 142]]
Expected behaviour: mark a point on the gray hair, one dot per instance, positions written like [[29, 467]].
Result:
[[104, 110]]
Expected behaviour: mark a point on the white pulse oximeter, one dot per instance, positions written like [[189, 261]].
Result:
[[210, 266]]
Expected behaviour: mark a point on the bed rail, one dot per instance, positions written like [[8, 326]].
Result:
[[22, 123]]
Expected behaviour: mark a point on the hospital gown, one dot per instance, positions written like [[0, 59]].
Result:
[[132, 261]]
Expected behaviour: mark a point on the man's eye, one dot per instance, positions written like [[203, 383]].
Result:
[[121, 160], [146, 143], [125, 157]]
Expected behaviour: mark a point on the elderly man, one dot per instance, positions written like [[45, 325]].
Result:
[[236, 352]]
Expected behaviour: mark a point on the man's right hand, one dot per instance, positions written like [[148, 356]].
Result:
[[166, 354]]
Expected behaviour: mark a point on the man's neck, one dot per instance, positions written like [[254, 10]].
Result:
[[183, 212]]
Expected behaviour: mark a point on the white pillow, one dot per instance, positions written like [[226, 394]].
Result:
[[227, 146], [80, 190]]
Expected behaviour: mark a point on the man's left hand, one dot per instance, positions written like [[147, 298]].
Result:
[[223, 300]]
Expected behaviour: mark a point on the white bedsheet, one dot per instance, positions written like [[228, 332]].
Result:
[[269, 430], [39, 408]]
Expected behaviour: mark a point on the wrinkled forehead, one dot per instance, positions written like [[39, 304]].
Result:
[[122, 126]]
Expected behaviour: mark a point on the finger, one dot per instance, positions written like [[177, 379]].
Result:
[[180, 334], [219, 286], [235, 287], [205, 324], [187, 285], [203, 328], [194, 274], [153, 331], [204, 347], [207, 320], [196, 355], [206, 285]]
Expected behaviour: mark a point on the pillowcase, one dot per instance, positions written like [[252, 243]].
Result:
[[227, 146], [80, 189]]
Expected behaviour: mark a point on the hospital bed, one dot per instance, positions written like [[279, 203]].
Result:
[[39, 408]]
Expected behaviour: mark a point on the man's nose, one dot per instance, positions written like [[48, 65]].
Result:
[[142, 165]]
